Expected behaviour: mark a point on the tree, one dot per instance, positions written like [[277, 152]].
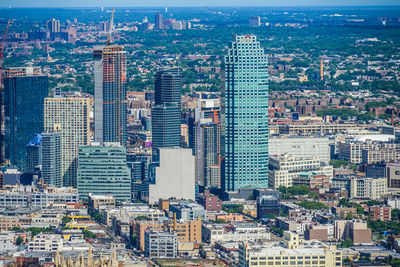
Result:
[[88, 234], [373, 202], [66, 220], [142, 218], [19, 240], [97, 217], [314, 195], [311, 205], [338, 163], [347, 243], [395, 262], [344, 203], [395, 214]]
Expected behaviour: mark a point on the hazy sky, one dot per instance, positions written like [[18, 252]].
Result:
[[148, 3]]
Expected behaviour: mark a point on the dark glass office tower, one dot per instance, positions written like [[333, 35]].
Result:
[[110, 102], [166, 113], [24, 92]]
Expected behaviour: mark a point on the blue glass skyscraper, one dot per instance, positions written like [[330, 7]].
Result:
[[25, 89], [246, 115]]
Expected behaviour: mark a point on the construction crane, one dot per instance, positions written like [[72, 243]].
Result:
[[1, 92], [111, 28]]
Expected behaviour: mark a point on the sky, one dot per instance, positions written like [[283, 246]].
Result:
[[161, 3]]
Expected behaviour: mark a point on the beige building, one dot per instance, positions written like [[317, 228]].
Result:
[[103, 201], [188, 231], [368, 188], [71, 117], [294, 252], [393, 175], [9, 222], [352, 150], [283, 169], [46, 242], [317, 128], [356, 230], [376, 156], [185, 134]]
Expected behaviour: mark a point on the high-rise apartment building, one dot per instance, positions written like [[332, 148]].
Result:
[[159, 22], [53, 25], [50, 158], [33, 154], [25, 89], [246, 114], [71, 117], [166, 113], [207, 148], [110, 100], [102, 170]]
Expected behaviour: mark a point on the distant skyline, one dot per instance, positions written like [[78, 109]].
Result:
[[191, 3]]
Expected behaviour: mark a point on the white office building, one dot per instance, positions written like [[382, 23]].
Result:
[[175, 175]]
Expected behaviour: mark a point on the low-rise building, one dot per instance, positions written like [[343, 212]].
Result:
[[300, 146], [188, 211], [344, 211], [352, 150], [212, 233], [356, 230], [316, 232], [46, 242], [267, 205], [9, 222], [187, 231], [32, 196], [380, 155], [7, 240], [393, 175], [361, 187], [291, 253], [393, 202], [210, 202], [285, 168], [161, 245], [380, 212], [95, 201]]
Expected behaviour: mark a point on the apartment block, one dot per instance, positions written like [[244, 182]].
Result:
[[300, 146], [161, 245], [189, 231], [380, 155], [352, 150], [380, 212], [69, 116], [285, 168]]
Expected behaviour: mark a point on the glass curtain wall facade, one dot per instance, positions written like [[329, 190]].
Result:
[[246, 115]]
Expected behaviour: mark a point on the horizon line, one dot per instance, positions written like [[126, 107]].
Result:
[[195, 6]]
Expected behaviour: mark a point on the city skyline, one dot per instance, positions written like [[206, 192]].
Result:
[[200, 136], [207, 3]]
